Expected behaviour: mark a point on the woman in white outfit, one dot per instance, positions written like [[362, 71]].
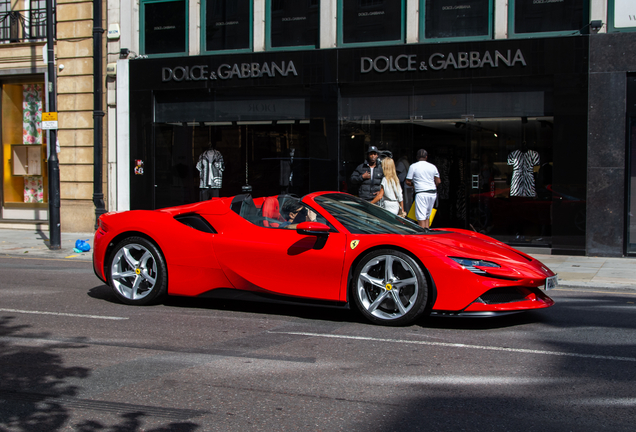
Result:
[[391, 191]]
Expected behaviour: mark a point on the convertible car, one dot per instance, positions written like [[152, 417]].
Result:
[[326, 248]]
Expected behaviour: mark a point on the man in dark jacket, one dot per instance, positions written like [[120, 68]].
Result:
[[368, 175]]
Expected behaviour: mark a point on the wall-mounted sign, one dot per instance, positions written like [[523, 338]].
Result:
[[139, 167], [228, 71], [624, 13], [442, 61], [49, 120]]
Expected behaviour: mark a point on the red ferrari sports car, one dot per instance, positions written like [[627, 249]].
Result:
[[327, 248]]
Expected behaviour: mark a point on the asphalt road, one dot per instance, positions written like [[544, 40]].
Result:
[[73, 358]]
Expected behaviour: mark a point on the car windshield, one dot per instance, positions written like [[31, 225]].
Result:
[[360, 217]]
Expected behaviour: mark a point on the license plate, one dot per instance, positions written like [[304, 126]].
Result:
[[551, 283]]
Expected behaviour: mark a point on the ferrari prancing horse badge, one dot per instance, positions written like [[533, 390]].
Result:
[[354, 243]]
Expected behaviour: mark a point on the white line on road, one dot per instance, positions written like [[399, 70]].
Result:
[[460, 345], [63, 314]]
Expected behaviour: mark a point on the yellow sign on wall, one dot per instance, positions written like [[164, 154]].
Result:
[[49, 120]]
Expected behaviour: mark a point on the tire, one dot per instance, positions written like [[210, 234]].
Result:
[[137, 272], [392, 295]]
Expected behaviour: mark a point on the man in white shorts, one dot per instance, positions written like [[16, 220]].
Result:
[[424, 178]]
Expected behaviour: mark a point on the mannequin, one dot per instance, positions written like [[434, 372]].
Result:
[[523, 162], [211, 167]]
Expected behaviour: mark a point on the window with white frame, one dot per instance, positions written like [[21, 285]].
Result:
[[622, 15], [548, 16], [371, 21], [463, 19], [164, 27], [293, 23], [227, 25]]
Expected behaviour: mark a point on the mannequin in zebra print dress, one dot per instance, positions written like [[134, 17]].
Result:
[[523, 162]]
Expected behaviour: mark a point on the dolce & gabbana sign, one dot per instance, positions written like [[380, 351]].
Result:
[[442, 61], [228, 71]]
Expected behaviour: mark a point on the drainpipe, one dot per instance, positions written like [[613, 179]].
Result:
[[98, 113]]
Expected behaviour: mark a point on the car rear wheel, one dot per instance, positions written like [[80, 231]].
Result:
[[390, 288], [137, 272]]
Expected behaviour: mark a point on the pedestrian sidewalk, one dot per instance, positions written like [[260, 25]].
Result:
[[598, 272], [573, 271], [35, 243]]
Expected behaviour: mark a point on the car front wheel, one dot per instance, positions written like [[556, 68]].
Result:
[[390, 288], [137, 272]]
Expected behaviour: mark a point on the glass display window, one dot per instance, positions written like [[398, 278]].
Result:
[[621, 15], [293, 23], [368, 22], [24, 145], [456, 19], [542, 17], [164, 27], [496, 165], [227, 25]]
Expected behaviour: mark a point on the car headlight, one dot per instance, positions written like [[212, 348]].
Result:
[[473, 264]]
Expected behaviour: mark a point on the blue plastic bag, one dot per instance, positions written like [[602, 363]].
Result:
[[82, 246]]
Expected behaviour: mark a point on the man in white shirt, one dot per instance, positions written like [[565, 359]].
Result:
[[424, 178]]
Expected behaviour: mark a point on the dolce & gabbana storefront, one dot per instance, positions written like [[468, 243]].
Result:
[[301, 121]]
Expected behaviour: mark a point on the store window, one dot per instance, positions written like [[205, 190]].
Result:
[[496, 165], [227, 25], [464, 19], [528, 17], [371, 21], [164, 27], [622, 15], [293, 23], [24, 146]]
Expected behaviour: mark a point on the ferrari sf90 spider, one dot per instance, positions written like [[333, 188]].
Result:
[[326, 248]]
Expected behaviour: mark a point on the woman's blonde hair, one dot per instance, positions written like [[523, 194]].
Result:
[[388, 167]]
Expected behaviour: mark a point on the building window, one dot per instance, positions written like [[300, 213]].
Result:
[[293, 23], [528, 17], [23, 21], [164, 27], [371, 21], [621, 15], [24, 145], [464, 19], [227, 25]]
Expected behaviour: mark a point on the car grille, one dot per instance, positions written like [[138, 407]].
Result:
[[503, 295]]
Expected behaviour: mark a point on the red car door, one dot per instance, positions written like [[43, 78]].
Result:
[[281, 261]]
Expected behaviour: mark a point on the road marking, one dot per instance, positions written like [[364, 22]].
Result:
[[64, 314], [470, 380], [623, 402], [460, 345]]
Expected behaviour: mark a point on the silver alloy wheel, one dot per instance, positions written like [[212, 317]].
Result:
[[387, 287], [134, 271]]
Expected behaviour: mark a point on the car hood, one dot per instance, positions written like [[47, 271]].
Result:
[[469, 246], [477, 246]]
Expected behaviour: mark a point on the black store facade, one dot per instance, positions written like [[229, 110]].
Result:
[[301, 121]]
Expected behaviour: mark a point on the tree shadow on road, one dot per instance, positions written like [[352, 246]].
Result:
[[35, 388]]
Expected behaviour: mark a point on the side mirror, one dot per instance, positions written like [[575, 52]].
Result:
[[312, 228]]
